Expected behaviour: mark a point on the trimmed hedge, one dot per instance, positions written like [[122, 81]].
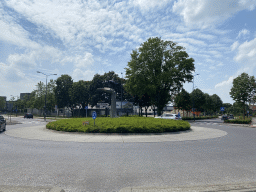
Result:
[[119, 125], [199, 118], [239, 120]]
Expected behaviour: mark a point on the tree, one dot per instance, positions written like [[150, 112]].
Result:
[[2, 103], [158, 68], [182, 101], [197, 99], [243, 90], [227, 108], [63, 85], [80, 94], [110, 80], [216, 103], [208, 103]]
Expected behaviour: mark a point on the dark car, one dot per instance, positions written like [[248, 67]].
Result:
[[2, 123], [231, 116], [28, 115], [224, 117]]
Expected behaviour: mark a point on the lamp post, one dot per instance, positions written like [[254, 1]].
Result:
[[193, 97], [45, 93], [121, 96]]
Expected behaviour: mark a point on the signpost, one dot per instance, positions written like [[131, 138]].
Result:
[[94, 115], [86, 107], [222, 109]]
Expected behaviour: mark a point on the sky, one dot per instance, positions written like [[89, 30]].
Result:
[[84, 37]]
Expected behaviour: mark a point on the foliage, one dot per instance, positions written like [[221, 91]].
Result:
[[158, 68], [216, 103], [79, 93], [207, 106], [119, 125], [243, 89], [110, 80], [2, 103], [200, 117], [197, 99], [63, 85], [182, 100], [240, 120]]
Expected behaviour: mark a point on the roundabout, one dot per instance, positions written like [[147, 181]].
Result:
[[41, 133]]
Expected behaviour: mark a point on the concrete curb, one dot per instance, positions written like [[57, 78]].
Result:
[[235, 187], [6, 188]]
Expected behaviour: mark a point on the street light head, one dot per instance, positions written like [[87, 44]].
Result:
[[54, 74], [38, 72]]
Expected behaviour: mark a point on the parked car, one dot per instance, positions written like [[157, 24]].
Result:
[[231, 116], [170, 116], [28, 115], [2, 123], [224, 117]]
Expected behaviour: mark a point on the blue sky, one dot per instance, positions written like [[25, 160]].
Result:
[[82, 38]]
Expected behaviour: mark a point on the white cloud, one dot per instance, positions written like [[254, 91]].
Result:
[[79, 74], [13, 33], [201, 13], [225, 84], [247, 53], [146, 5], [220, 64], [79, 24], [243, 33], [234, 45]]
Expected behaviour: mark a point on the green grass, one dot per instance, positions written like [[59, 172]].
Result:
[[119, 125]]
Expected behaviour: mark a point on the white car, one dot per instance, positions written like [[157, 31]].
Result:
[[170, 116]]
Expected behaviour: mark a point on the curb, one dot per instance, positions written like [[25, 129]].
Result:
[[6, 188], [238, 187]]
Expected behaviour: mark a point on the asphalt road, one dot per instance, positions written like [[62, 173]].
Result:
[[77, 167]]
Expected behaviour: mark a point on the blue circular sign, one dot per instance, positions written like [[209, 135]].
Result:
[[94, 114]]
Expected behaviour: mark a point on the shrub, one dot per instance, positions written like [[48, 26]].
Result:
[[119, 125]]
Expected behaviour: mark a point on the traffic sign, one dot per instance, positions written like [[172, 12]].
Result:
[[86, 107], [94, 114], [222, 108]]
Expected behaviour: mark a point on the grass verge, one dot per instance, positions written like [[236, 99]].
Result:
[[119, 125]]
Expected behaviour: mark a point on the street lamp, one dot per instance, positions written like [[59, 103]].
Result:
[[45, 93], [121, 96], [193, 97]]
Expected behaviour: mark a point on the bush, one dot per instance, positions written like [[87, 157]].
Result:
[[119, 125], [199, 118], [240, 120]]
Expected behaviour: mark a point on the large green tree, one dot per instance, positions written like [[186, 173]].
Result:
[[216, 103], [207, 104], [243, 90], [80, 94], [158, 68], [182, 100], [197, 99], [62, 95], [111, 80]]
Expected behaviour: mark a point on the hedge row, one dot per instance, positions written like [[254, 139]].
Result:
[[119, 125], [239, 120], [198, 118]]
